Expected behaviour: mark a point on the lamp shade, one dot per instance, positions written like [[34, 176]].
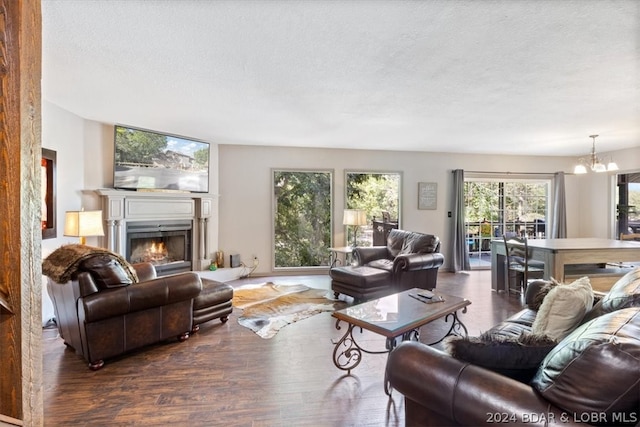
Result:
[[354, 217], [580, 169], [83, 224]]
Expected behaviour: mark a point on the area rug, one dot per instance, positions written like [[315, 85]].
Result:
[[267, 307]]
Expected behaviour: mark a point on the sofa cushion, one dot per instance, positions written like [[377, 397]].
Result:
[[517, 357], [563, 309], [402, 242], [624, 293], [596, 369], [418, 243], [106, 271], [383, 264]]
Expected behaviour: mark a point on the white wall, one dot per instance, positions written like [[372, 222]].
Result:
[[246, 205], [85, 162], [63, 132], [596, 195]]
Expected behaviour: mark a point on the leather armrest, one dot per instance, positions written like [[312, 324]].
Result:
[[412, 262], [141, 296], [364, 255], [86, 284], [145, 271], [465, 393]]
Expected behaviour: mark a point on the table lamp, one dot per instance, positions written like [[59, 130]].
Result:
[[355, 218], [83, 224]]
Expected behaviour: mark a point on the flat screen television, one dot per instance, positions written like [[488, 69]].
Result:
[[148, 160]]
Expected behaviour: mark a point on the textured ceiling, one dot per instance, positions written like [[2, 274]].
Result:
[[515, 76]]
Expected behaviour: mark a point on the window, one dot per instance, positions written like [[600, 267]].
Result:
[[378, 194], [302, 218], [494, 208]]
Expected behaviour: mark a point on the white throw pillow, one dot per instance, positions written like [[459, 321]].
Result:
[[563, 308]]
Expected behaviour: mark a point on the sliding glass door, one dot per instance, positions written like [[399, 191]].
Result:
[[627, 203], [497, 207]]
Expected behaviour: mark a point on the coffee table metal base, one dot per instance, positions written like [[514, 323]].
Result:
[[347, 353]]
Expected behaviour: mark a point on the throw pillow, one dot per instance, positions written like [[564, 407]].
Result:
[[106, 271], [563, 308], [538, 298], [515, 357]]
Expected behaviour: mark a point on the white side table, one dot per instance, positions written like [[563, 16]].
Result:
[[341, 255]]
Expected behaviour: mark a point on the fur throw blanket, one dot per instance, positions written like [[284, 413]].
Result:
[[63, 263]]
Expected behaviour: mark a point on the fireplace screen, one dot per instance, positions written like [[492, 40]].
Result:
[[165, 244]]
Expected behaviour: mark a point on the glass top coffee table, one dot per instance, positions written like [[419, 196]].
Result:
[[397, 316]]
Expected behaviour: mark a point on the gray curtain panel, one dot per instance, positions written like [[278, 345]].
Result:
[[459, 248], [559, 220]]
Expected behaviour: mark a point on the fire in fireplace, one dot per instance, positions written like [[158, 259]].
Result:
[[165, 244]]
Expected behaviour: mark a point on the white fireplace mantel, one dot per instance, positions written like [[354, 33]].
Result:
[[122, 206]]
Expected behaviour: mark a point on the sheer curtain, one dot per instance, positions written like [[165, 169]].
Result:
[[559, 220], [459, 249]]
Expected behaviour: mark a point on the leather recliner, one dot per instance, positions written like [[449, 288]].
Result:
[[100, 323], [409, 260]]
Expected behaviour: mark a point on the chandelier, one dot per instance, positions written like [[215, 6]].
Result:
[[593, 162]]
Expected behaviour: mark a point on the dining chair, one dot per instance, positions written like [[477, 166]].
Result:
[[521, 267]]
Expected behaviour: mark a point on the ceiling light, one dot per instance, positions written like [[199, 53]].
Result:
[[593, 162]]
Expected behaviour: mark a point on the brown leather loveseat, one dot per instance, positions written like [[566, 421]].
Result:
[[409, 260], [591, 376], [108, 307]]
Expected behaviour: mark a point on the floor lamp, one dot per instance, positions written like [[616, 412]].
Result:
[[355, 218]]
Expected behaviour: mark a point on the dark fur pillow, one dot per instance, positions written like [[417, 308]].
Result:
[[539, 297], [515, 357]]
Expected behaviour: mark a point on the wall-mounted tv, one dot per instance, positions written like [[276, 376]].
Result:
[[148, 160]]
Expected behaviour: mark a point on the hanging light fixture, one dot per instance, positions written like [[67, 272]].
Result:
[[593, 162]]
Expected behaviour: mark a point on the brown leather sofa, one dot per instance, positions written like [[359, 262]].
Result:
[[591, 376], [409, 260], [100, 322]]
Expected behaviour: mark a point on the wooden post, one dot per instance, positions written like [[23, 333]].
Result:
[[20, 234]]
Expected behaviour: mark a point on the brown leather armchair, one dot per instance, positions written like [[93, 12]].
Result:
[[409, 260], [100, 322]]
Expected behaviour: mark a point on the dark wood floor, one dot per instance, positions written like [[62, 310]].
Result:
[[227, 375]]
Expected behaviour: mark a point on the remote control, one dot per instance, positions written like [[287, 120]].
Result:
[[426, 294]]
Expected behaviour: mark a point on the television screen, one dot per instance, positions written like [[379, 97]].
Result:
[[149, 160]]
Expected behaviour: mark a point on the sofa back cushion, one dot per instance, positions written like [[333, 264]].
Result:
[[623, 294], [596, 368], [401, 242]]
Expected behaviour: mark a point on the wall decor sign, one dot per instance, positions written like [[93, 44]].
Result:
[[427, 195]]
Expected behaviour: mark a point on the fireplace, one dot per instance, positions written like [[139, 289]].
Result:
[[165, 244]]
